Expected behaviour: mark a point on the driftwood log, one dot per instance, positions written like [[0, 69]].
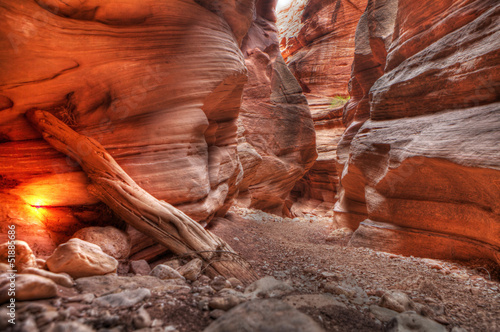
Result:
[[157, 219]]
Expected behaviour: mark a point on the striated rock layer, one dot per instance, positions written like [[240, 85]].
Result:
[[420, 159], [157, 83], [317, 39], [276, 139]]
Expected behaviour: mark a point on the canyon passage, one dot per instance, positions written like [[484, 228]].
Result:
[[250, 165]]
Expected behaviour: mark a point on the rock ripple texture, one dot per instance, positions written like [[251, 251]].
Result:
[[420, 159], [157, 83]]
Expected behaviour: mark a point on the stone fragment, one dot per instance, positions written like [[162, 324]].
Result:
[[111, 240], [27, 287], [397, 301], [165, 272], [334, 288], [220, 282], [382, 314], [224, 303], [140, 267], [126, 299], [62, 279], [411, 322], [264, 315], [235, 282], [79, 258], [24, 256], [192, 270], [141, 319], [174, 263], [268, 287], [216, 313]]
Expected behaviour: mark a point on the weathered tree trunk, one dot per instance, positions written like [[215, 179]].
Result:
[[160, 220]]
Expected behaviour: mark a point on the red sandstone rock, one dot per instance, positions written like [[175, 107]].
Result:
[[420, 162], [317, 40], [318, 43], [158, 84], [276, 133]]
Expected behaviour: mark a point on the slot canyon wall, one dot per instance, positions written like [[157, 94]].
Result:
[[420, 158], [158, 84], [317, 42], [276, 133]]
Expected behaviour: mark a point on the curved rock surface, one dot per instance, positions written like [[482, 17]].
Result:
[[420, 159], [158, 84], [276, 141], [317, 39]]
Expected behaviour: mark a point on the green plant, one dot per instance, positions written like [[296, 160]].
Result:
[[338, 101]]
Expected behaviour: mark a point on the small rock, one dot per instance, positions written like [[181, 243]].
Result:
[[224, 303], [235, 282], [397, 301], [62, 279], [69, 327], [268, 287], [339, 290], [23, 254], [219, 283], [458, 329], [192, 270], [140, 267], [411, 321], [28, 287], [111, 240], [174, 263], [81, 259], [141, 319], [126, 298], [264, 315], [165, 272], [216, 313], [383, 314]]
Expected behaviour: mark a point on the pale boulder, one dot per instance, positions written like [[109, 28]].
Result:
[[24, 256], [62, 279], [79, 258], [28, 287]]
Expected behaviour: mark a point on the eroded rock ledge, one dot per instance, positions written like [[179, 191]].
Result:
[[419, 159]]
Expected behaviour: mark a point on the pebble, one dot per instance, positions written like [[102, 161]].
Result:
[[165, 272], [192, 270], [140, 267], [127, 298]]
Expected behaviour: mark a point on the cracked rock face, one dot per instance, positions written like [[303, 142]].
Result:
[[420, 156], [158, 84]]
